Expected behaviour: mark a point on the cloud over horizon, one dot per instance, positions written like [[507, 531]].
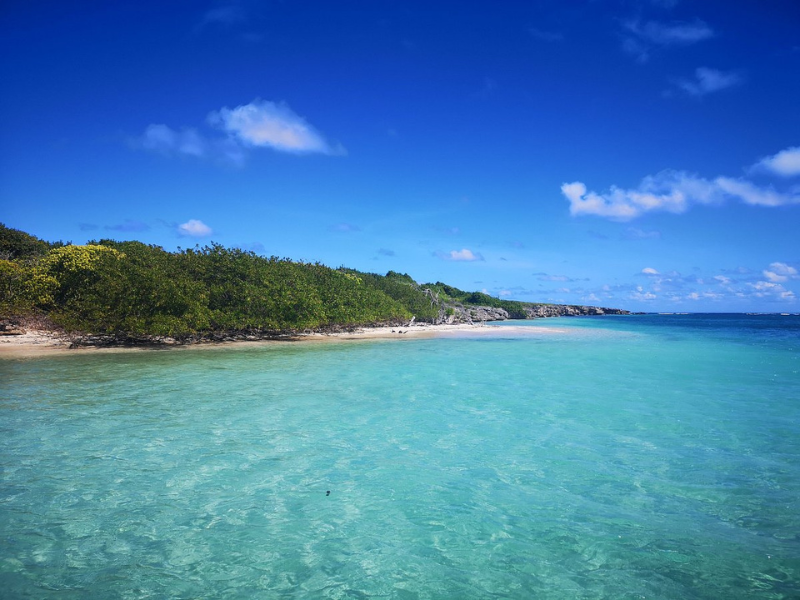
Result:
[[779, 272], [746, 286], [674, 191]]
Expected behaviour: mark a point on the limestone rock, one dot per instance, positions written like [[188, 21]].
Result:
[[567, 310]]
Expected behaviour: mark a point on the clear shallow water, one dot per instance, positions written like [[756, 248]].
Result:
[[638, 457]]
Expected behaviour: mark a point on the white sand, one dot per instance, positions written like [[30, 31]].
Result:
[[31, 343], [35, 343]]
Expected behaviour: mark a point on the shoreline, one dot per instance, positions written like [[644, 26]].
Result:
[[34, 343]]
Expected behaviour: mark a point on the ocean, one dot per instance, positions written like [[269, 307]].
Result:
[[650, 456]]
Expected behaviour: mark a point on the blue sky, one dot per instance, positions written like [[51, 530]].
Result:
[[634, 154]]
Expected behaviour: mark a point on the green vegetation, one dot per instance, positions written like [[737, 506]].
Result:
[[450, 295], [132, 289]]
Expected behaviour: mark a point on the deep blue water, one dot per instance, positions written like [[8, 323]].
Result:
[[648, 456]]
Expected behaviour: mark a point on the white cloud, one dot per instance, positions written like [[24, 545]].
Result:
[[268, 124], [642, 295], [194, 228], [671, 191], [709, 80], [590, 203], [779, 272], [774, 277], [463, 255], [777, 284], [768, 288], [260, 124], [750, 193], [785, 163], [773, 288]]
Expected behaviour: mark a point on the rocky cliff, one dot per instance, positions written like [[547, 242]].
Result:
[[539, 311], [459, 313], [474, 314]]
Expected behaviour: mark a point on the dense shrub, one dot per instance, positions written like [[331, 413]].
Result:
[[138, 289]]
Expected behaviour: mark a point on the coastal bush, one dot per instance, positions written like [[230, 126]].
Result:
[[515, 309], [81, 278], [347, 300], [131, 288], [16, 244], [13, 279], [152, 294], [406, 292]]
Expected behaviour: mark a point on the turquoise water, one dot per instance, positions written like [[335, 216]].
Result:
[[619, 457]]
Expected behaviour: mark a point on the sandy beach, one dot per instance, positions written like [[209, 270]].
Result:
[[38, 342], [32, 343]]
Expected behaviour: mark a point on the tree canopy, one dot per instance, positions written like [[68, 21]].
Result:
[[135, 289]]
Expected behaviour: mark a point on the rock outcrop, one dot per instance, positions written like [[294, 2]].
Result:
[[9, 328], [474, 314], [540, 311], [461, 313]]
